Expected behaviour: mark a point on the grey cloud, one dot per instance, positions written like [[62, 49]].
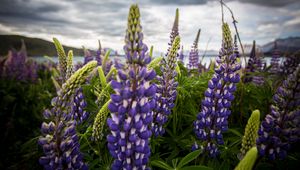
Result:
[[270, 3]]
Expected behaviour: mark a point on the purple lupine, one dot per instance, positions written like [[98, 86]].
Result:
[[132, 103], [78, 106], [166, 90], [212, 120], [31, 70], [194, 55], [290, 64], [18, 67], [181, 56], [254, 65], [98, 54], [175, 31], [275, 66], [87, 56], [281, 127], [59, 139]]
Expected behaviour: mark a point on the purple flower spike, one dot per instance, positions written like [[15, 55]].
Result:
[[166, 91], [212, 119], [194, 56], [281, 127], [131, 105], [181, 56], [79, 104], [255, 65], [275, 66]]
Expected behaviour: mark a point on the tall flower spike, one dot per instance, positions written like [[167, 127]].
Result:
[[248, 161], [290, 64], [62, 60], [181, 55], [255, 64], [98, 54], [166, 90], [59, 139], [175, 31], [281, 126], [194, 56], [251, 133], [132, 103], [69, 64], [78, 107], [99, 122], [212, 119], [275, 60], [87, 56], [18, 67]]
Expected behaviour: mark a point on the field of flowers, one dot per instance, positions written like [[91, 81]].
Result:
[[151, 112]]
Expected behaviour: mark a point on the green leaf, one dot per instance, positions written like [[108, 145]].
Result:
[[188, 158], [196, 167], [161, 164], [102, 77], [151, 51], [105, 59], [235, 132], [177, 68]]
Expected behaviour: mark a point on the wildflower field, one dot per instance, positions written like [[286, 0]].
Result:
[[151, 112]]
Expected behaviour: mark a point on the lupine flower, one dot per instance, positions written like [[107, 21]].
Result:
[[69, 64], [59, 139], [99, 122], [212, 120], [98, 54], [275, 66], [248, 161], [290, 64], [62, 60], [132, 103], [281, 127], [78, 106], [87, 56], [18, 67], [194, 56], [166, 90], [251, 133], [254, 65], [181, 56], [175, 31]]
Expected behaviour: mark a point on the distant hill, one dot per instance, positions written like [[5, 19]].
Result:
[[286, 45], [35, 46]]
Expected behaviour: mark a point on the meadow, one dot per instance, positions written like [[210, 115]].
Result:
[[151, 112]]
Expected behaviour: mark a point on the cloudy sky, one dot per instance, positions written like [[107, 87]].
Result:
[[83, 22]]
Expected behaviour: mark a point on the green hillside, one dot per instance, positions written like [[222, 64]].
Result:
[[35, 46]]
